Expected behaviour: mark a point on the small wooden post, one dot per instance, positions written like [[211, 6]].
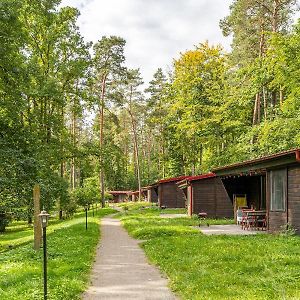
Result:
[[37, 223]]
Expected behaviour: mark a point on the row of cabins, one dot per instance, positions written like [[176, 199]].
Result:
[[270, 183]]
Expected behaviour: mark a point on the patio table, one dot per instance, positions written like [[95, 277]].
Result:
[[255, 219]]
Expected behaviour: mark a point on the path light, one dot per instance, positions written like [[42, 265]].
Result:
[[44, 217]]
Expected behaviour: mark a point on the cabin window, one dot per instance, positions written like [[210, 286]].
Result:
[[278, 180]]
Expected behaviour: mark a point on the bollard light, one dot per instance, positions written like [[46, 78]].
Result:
[[44, 217]]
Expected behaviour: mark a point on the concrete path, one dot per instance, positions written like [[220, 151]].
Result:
[[226, 229], [121, 270]]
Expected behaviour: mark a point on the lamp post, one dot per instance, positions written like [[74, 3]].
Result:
[[86, 210], [44, 217]]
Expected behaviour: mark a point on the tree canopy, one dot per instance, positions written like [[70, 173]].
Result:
[[77, 120]]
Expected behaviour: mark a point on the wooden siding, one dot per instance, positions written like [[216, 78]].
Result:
[[210, 196], [170, 195], [152, 196], [224, 204], [294, 197]]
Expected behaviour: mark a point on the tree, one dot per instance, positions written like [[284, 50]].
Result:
[[108, 60], [195, 118], [251, 22], [155, 121], [132, 101]]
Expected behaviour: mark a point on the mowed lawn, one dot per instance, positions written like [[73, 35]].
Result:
[[71, 250], [218, 267]]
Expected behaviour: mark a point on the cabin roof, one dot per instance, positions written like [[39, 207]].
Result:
[[137, 192], [261, 163], [119, 192], [172, 179], [183, 183]]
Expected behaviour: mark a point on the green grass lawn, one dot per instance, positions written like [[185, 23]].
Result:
[[71, 250], [218, 267]]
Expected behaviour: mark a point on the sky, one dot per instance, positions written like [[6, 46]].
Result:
[[156, 31]]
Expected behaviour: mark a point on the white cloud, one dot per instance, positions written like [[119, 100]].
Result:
[[156, 31]]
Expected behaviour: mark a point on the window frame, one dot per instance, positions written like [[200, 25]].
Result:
[[285, 190]]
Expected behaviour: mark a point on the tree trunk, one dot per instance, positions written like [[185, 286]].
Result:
[[265, 103], [135, 144], [73, 167], [101, 129], [62, 172], [281, 96], [256, 111]]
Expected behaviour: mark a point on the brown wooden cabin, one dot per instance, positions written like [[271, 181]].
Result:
[[206, 193], [152, 193], [119, 196], [169, 194], [270, 183]]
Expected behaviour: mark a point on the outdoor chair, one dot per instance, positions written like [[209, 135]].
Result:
[[247, 221], [239, 216]]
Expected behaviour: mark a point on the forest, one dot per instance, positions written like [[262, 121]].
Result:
[[77, 121]]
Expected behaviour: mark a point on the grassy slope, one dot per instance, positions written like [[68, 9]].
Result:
[[70, 253], [218, 267]]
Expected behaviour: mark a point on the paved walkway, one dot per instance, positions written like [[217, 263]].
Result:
[[121, 270], [227, 229]]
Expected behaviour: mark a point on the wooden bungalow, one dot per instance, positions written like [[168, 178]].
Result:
[[169, 194], [270, 183], [206, 193], [119, 196]]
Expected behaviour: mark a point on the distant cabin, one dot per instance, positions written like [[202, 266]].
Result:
[[270, 183], [206, 193], [169, 194], [119, 196]]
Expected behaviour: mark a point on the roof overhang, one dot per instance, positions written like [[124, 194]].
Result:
[[172, 179], [260, 165]]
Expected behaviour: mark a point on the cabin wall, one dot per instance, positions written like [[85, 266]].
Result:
[[152, 196], [224, 203], [294, 197], [210, 196], [204, 198], [189, 200], [170, 195]]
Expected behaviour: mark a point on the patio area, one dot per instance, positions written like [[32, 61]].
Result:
[[227, 230]]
